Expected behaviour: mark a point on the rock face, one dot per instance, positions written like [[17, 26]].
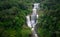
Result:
[[32, 20]]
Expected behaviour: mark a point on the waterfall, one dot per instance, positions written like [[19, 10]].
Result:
[[28, 21], [32, 19]]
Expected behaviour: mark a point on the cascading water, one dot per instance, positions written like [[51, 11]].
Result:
[[28, 21], [31, 22]]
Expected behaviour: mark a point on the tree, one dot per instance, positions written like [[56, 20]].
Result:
[[12, 17], [49, 22]]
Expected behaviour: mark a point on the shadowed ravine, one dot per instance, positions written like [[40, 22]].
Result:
[[32, 19]]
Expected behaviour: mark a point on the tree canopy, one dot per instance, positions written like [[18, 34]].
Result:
[[13, 18]]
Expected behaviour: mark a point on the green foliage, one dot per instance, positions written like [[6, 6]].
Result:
[[12, 18], [49, 22], [25, 31], [13, 21]]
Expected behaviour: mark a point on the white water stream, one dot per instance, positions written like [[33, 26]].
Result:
[[32, 19]]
